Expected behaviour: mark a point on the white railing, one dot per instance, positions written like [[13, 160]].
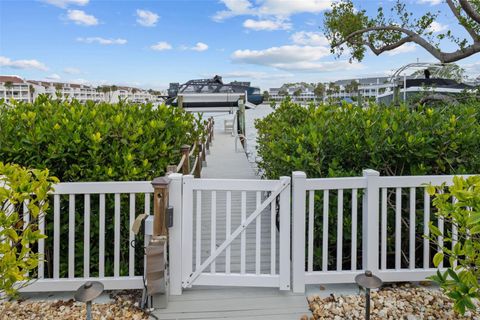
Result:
[[376, 199], [102, 201]]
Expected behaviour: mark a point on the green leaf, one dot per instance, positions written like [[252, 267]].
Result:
[[437, 258]]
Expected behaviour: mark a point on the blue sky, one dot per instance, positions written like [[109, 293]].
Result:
[[151, 43]]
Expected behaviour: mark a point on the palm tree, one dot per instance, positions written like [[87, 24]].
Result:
[[8, 85], [32, 91]]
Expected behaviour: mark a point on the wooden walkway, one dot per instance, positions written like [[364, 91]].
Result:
[[206, 302]]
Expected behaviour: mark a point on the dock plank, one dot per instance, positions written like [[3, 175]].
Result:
[[215, 302]]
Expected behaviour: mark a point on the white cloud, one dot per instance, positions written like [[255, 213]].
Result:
[[268, 25], [257, 75], [81, 18], [22, 64], [430, 2], [277, 8], [287, 7], [102, 41], [161, 46], [200, 46], [472, 69], [283, 54], [293, 58], [66, 3], [234, 8], [147, 18], [437, 27], [53, 76], [407, 47], [71, 70], [309, 38]]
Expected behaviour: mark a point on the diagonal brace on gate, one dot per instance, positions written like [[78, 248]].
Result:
[[188, 283]]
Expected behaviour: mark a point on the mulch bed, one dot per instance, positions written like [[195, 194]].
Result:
[[395, 302]]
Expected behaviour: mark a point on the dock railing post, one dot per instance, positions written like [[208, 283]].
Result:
[[370, 225], [204, 153], [175, 234], [299, 180], [185, 149], [198, 166]]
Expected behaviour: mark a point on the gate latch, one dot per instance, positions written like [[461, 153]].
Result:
[[170, 216]]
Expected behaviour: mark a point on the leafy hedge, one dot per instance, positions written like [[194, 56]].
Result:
[[329, 141], [334, 141], [94, 142]]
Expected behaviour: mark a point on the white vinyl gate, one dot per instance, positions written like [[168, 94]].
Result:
[[234, 233]]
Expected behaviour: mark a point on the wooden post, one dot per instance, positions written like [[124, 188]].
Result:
[[180, 101], [160, 204], [212, 125], [204, 156], [198, 167], [185, 149]]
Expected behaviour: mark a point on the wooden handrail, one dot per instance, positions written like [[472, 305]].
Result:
[[201, 151], [180, 164]]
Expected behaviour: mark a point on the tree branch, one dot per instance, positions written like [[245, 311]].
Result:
[[470, 11], [444, 57], [459, 17]]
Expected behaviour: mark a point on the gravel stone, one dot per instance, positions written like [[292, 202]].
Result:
[[395, 302], [120, 308]]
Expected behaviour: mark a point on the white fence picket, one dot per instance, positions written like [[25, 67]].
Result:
[[86, 236]]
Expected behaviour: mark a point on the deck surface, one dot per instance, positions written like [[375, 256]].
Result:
[[213, 302]]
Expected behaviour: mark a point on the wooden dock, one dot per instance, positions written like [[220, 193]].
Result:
[[207, 302]]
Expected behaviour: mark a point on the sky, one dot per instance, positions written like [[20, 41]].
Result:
[[149, 44]]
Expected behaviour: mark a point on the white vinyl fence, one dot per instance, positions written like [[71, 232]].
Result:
[[244, 232], [99, 206], [388, 219]]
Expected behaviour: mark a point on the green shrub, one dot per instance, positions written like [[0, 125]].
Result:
[[460, 283], [329, 141], [17, 237], [336, 141], [95, 142]]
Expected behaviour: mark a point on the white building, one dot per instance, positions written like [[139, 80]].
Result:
[[66, 91], [296, 91], [367, 87], [15, 87], [28, 90]]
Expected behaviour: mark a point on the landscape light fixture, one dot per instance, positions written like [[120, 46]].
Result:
[[368, 281], [87, 293]]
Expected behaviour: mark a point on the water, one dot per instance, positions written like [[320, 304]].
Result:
[[251, 115]]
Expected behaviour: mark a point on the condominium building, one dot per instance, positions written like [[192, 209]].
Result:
[[15, 87], [366, 87], [66, 91], [28, 90]]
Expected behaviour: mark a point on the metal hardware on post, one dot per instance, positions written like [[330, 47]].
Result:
[[170, 216], [185, 149]]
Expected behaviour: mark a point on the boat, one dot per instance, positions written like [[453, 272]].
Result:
[[213, 94], [429, 84]]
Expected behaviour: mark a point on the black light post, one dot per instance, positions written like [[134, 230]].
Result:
[[368, 281], [87, 293]]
